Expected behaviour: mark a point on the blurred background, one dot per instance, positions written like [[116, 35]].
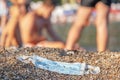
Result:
[[64, 15]]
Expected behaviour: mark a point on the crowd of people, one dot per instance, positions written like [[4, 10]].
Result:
[[65, 13], [23, 26]]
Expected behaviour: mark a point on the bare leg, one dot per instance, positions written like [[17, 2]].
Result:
[[51, 44], [76, 29], [101, 26]]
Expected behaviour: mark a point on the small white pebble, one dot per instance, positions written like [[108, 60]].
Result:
[[70, 52]]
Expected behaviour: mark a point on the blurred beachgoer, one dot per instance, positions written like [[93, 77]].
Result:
[[3, 13], [58, 15], [83, 14], [78, 1], [10, 35], [31, 24]]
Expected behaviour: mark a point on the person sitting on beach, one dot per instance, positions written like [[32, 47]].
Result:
[[25, 27], [102, 7]]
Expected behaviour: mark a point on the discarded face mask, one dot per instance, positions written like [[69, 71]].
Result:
[[60, 67]]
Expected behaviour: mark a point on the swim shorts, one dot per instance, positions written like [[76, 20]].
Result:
[[92, 3]]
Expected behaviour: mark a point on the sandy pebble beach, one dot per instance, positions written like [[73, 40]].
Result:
[[13, 69]]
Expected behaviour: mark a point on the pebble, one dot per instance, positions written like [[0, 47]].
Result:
[[11, 68]]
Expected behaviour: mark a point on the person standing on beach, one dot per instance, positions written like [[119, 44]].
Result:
[[102, 7], [30, 25], [3, 13]]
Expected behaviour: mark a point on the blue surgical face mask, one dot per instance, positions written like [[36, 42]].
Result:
[[60, 67]]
